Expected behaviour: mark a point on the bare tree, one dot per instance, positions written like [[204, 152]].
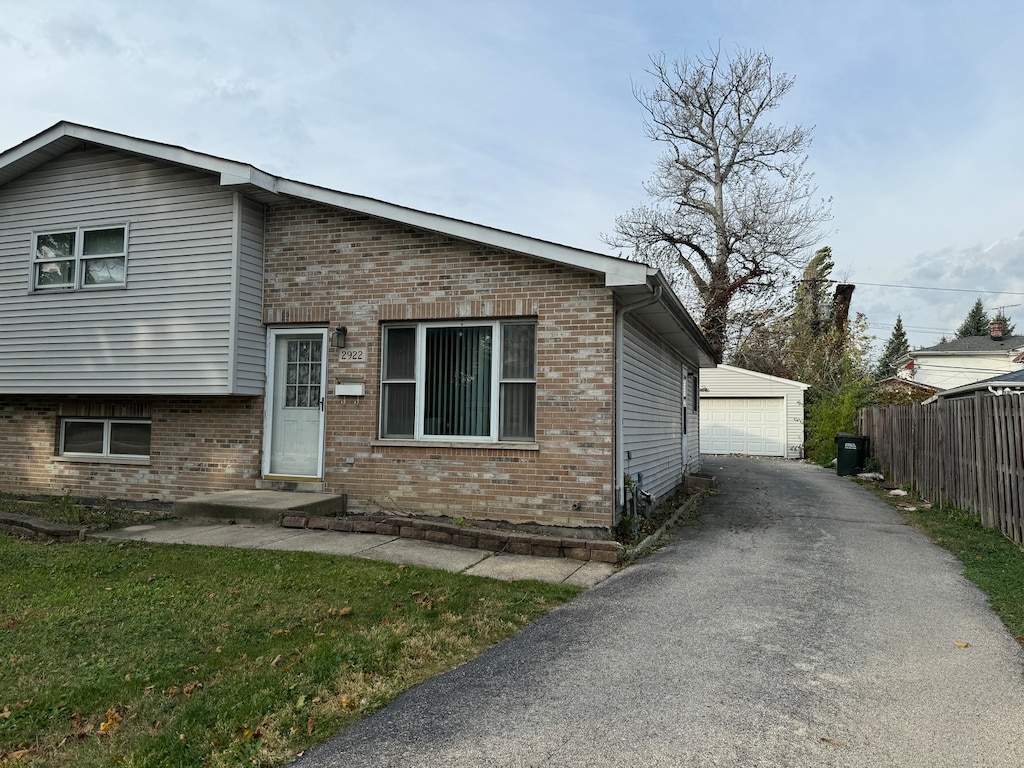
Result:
[[733, 210]]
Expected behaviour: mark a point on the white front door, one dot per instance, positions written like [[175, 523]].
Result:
[[295, 404]]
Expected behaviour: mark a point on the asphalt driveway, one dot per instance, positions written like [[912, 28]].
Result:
[[798, 624]]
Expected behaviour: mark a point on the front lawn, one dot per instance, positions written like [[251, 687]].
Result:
[[134, 654]]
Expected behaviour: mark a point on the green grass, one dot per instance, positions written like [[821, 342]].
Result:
[[135, 654], [993, 562]]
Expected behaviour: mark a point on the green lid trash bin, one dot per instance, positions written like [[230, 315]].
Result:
[[851, 453]]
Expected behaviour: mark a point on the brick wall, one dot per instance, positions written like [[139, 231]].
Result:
[[199, 445], [334, 268]]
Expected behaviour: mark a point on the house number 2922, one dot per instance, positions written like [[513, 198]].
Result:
[[352, 354]]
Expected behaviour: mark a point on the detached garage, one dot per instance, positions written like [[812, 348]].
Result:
[[750, 413]]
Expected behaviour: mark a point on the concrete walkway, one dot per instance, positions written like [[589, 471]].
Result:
[[799, 624], [475, 562]]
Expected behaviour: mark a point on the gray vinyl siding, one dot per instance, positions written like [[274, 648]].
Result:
[[170, 329], [653, 378], [251, 335], [730, 382]]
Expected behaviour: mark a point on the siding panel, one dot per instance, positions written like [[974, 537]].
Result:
[[169, 331], [652, 409]]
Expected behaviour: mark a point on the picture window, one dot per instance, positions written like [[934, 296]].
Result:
[[468, 381]]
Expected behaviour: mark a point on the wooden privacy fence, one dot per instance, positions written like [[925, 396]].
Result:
[[966, 452]]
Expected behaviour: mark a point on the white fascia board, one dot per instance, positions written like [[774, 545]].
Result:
[[616, 271], [36, 143], [230, 171]]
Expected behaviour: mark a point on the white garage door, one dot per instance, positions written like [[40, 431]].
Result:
[[756, 427]]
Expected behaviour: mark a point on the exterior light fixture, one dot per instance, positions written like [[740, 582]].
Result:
[[340, 336]]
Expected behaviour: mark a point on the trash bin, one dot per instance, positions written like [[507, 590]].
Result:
[[851, 453]]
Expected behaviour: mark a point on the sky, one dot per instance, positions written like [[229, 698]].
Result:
[[520, 115]]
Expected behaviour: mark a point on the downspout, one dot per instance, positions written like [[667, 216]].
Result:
[[620, 450]]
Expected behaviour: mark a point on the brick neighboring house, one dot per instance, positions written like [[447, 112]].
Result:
[[174, 323]]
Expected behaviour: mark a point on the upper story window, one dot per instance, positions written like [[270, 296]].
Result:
[[469, 381], [85, 257]]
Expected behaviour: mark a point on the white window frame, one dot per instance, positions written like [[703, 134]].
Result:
[[106, 454], [497, 341], [78, 259]]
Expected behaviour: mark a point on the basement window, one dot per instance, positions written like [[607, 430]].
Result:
[[105, 438]]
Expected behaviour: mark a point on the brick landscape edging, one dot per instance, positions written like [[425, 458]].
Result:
[[43, 530], [467, 536]]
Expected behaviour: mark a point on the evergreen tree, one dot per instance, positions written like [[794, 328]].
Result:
[[895, 348], [976, 323]]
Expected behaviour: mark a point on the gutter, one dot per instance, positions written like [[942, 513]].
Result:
[[620, 451]]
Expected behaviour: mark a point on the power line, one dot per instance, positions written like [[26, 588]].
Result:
[[934, 288]]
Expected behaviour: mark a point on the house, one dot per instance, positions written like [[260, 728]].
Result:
[[751, 413], [964, 361], [996, 386], [895, 390], [175, 323]]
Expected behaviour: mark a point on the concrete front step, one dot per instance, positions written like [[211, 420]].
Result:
[[259, 506]]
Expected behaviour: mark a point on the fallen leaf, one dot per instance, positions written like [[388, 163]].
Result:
[[310, 725], [961, 645], [276, 660], [172, 690], [192, 687], [6, 713]]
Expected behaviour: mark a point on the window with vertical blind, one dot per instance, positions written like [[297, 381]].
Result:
[[474, 380]]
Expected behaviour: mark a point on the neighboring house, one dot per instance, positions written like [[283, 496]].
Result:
[[997, 386], [894, 390], [751, 413], [174, 323], [964, 361]]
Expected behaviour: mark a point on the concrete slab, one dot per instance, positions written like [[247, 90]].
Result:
[[165, 532], [427, 554], [476, 562], [245, 536], [590, 574], [331, 543], [257, 505], [514, 567]]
